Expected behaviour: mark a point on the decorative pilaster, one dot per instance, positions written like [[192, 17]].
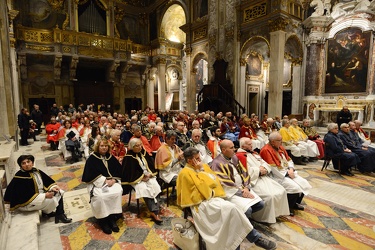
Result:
[[161, 66], [277, 50], [151, 88]]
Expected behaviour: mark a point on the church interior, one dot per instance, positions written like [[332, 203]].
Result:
[[305, 58]]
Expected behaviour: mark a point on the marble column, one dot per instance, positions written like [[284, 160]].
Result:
[[161, 65], [275, 94], [296, 89], [151, 91], [241, 92], [312, 77], [190, 84]]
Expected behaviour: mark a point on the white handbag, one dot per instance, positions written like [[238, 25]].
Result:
[[185, 236]]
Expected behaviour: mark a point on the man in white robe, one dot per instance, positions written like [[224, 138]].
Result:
[[273, 194]]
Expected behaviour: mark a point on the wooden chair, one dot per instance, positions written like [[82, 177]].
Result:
[[187, 213], [130, 197]]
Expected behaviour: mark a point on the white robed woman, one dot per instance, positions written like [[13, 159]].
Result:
[[139, 174], [102, 173], [220, 223]]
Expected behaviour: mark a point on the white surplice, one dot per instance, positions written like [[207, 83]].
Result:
[[106, 200], [272, 193]]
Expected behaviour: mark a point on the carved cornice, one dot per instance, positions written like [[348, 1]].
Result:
[[12, 14], [278, 24]]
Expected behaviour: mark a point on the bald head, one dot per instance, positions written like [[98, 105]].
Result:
[[227, 148]]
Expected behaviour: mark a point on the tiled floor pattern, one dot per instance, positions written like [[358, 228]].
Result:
[[323, 221]]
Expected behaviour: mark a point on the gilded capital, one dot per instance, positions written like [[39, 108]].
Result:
[[278, 24], [243, 62], [188, 50], [161, 61]]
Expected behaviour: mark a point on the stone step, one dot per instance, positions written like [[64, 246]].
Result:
[[23, 232]]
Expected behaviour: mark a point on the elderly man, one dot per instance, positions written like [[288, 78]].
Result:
[[236, 180], [118, 147], [301, 138], [290, 143], [220, 223], [361, 133], [196, 142], [137, 133], [168, 159], [313, 136], [365, 154], [248, 132], [284, 172], [273, 194], [157, 139], [182, 138], [336, 149]]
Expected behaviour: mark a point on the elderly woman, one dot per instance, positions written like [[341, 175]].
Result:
[[336, 149], [31, 189], [69, 142], [139, 173], [118, 147], [102, 174]]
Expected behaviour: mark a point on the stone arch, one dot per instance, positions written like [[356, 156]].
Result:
[[293, 46], [350, 22], [256, 43], [172, 19]]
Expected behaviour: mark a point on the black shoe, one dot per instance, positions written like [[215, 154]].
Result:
[[156, 218], [112, 223], [48, 215], [265, 243], [299, 207], [103, 223], [305, 159], [62, 218], [347, 173], [291, 214]]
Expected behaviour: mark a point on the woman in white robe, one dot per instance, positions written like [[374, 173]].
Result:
[[102, 174], [63, 137], [139, 173]]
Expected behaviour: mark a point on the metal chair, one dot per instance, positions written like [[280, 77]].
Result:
[[327, 159]]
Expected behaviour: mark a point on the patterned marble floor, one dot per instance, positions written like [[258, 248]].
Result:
[[329, 221]]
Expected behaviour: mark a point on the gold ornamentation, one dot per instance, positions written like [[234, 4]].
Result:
[[40, 48], [254, 12], [278, 24], [200, 33], [243, 62], [188, 50], [161, 61], [229, 32], [56, 4]]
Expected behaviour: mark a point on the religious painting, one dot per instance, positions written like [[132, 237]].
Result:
[[254, 64], [347, 61]]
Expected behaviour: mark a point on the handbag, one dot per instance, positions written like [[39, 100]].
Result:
[[185, 236]]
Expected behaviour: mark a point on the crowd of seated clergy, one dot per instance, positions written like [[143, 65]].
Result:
[[239, 165]]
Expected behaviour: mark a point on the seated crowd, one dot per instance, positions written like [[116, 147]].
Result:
[[234, 168]]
